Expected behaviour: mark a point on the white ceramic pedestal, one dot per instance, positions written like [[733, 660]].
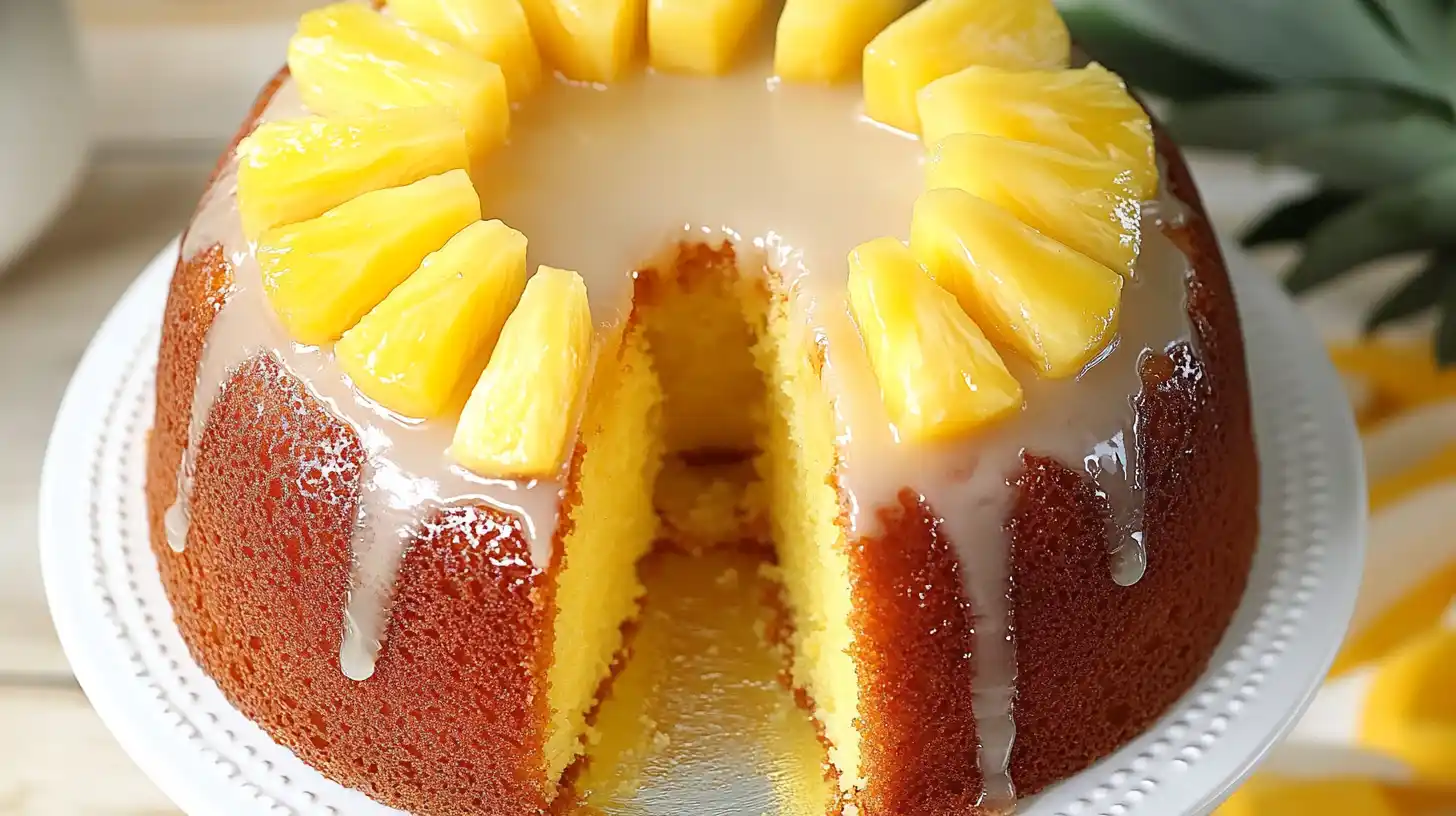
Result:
[[116, 624]]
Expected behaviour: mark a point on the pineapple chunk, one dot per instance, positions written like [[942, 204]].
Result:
[[1087, 204], [943, 36], [495, 30], [698, 36], [323, 275], [823, 40], [1086, 111], [350, 61], [417, 350], [588, 40], [939, 376], [1055, 306], [522, 410], [294, 170]]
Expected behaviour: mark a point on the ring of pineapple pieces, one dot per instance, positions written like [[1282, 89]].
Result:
[[369, 233]]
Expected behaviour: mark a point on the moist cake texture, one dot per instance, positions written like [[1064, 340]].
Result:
[[969, 620]]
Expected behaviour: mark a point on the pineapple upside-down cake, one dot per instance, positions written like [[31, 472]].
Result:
[[486, 288]]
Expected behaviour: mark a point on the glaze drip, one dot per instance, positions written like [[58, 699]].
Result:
[[1115, 465], [408, 476], [1088, 423]]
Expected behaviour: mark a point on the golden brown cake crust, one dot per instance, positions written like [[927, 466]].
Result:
[[1097, 663], [452, 722], [915, 672]]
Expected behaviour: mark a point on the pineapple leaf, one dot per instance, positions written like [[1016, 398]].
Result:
[[1367, 155], [1446, 331], [1289, 41], [1360, 93], [1293, 220], [1419, 293], [1145, 61], [1450, 28], [1420, 23], [1400, 219], [1256, 120]]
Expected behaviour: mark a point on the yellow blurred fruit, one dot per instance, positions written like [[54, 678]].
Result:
[[322, 275], [823, 41], [1418, 610], [1086, 112], [294, 170], [1439, 466], [1087, 204], [494, 30], [347, 60], [939, 376], [522, 411], [1410, 710], [588, 40], [698, 36], [1053, 305], [941, 37], [1433, 800], [423, 345], [1399, 375], [1270, 796]]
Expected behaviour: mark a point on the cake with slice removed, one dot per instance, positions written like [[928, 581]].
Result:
[[446, 332]]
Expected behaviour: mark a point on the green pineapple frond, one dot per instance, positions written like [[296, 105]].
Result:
[[1359, 93]]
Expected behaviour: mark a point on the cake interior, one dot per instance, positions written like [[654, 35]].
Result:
[[706, 436], [701, 707]]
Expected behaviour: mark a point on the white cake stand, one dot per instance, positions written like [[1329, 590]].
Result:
[[116, 624]]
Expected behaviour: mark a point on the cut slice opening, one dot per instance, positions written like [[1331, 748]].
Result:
[[707, 437]]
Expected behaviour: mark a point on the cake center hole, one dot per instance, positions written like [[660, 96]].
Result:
[[600, 178]]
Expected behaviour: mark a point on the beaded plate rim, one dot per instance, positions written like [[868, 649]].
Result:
[[116, 628]]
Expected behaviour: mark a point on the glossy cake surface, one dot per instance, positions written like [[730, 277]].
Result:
[[968, 621]]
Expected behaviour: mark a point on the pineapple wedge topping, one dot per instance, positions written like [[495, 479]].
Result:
[[588, 40], [418, 350], [1088, 204], [941, 37], [323, 275], [939, 376], [698, 36], [823, 41], [294, 170], [1053, 305], [1086, 111], [518, 419], [350, 61], [494, 30]]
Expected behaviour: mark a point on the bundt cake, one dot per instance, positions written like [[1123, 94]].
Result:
[[952, 346]]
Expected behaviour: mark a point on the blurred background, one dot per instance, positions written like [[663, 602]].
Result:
[[112, 114]]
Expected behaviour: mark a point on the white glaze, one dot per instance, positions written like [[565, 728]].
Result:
[[797, 173], [1088, 423], [407, 474]]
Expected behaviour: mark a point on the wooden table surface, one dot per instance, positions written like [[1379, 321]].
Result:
[[128, 208]]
